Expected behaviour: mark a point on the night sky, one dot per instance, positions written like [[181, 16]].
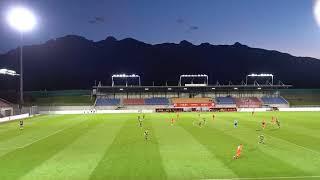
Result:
[[284, 25]]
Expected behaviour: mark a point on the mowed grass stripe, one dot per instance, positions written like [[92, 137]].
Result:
[[79, 159], [253, 162], [130, 156], [10, 129], [34, 131], [293, 154], [298, 135], [305, 122], [21, 161], [309, 120], [180, 152]]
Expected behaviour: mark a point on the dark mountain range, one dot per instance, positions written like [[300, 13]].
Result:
[[73, 62]]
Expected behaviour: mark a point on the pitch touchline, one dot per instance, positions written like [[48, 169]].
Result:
[[257, 178]]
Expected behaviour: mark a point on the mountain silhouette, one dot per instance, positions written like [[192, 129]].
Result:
[[74, 62]]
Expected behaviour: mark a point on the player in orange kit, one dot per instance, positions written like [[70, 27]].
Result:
[[238, 153]]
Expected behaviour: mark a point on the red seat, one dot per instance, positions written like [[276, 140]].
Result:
[[136, 101]]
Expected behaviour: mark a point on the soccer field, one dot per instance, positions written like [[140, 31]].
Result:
[[112, 146]]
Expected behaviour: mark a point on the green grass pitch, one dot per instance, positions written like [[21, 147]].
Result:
[[112, 146]]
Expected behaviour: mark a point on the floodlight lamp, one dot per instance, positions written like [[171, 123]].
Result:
[[21, 19], [8, 72]]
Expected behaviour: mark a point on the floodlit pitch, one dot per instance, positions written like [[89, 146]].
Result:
[[114, 146]]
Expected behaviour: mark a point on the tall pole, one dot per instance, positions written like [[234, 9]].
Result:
[[21, 70]]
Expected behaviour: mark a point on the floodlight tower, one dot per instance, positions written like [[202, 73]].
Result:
[[194, 76], [125, 76], [260, 75], [22, 20]]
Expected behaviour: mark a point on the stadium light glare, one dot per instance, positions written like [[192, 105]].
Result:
[[235, 88], [125, 75], [260, 75], [213, 88], [194, 75], [259, 88], [21, 19], [8, 72]]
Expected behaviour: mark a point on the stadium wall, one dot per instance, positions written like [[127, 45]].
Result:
[[96, 111], [300, 109], [112, 111], [12, 118]]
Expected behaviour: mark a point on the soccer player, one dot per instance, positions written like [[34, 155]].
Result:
[[172, 121], [252, 113], [263, 124], [273, 120], [178, 116], [235, 123], [213, 116], [238, 152], [143, 116], [278, 122], [21, 124], [204, 121], [146, 134], [200, 124], [261, 139], [140, 123]]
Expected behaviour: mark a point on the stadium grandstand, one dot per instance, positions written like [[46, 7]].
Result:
[[6, 108], [189, 96]]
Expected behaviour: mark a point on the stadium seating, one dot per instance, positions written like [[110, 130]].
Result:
[[191, 100], [3, 103], [135, 101], [250, 102], [156, 101], [273, 100], [107, 102], [224, 100]]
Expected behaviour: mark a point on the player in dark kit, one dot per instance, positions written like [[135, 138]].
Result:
[[21, 124], [204, 121], [200, 124], [261, 139], [235, 124], [146, 134], [278, 122], [263, 124]]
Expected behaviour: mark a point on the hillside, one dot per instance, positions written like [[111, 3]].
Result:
[[73, 62]]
